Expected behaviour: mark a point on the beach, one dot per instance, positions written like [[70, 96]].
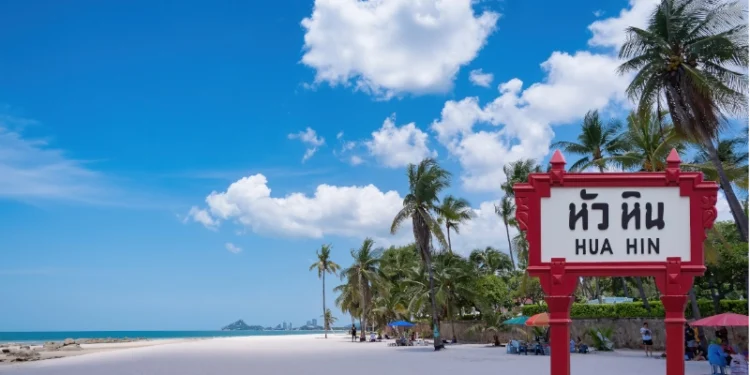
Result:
[[312, 355]]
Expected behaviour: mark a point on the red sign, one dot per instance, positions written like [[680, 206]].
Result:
[[615, 224]]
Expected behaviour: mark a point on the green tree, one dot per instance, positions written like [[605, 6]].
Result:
[[328, 319], [506, 210], [364, 273], [596, 143], [452, 212], [687, 54], [490, 261], [324, 265], [733, 155], [649, 142], [426, 181]]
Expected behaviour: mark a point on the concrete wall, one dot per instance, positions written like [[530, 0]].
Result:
[[626, 332]]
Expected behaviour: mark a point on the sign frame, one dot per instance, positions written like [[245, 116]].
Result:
[[559, 278]]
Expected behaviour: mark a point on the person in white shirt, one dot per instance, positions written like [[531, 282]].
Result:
[[647, 340]]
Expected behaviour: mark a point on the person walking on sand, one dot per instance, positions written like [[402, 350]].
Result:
[[647, 340], [354, 332]]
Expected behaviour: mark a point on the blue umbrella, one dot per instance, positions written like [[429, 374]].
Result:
[[519, 320], [401, 323]]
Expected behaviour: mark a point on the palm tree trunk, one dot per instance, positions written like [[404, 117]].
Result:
[[734, 204], [642, 294], [624, 287], [453, 321], [448, 231], [714, 294], [325, 324], [438, 341], [510, 248], [363, 319]]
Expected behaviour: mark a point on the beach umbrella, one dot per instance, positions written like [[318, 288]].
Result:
[[401, 323], [517, 321], [538, 320], [722, 320]]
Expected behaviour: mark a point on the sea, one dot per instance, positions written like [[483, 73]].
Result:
[[42, 337]]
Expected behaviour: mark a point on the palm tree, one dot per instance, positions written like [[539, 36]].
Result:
[[324, 265], [348, 299], [517, 172], [648, 142], [733, 156], [365, 274], [426, 181], [596, 142], [687, 53], [506, 210], [328, 319], [453, 211], [490, 262]]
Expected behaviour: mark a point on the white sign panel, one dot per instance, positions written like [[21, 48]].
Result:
[[615, 224]]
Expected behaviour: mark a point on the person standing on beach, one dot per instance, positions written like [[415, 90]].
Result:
[[354, 332], [647, 340]]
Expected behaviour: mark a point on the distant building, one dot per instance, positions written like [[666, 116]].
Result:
[[315, 322]]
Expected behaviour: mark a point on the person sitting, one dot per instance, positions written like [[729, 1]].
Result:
[[372, 337], [717, 358], [496, 340], [572, 346], [387, 337], [698, 355], [380, 338], [582, 348]]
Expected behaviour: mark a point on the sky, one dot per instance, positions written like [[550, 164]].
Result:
[[175, 165]]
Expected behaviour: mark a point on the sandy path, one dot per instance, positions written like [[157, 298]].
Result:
[[312, 355]]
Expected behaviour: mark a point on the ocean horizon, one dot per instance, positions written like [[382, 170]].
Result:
[[41, 337]]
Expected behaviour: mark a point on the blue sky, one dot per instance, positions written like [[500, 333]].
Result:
[[156, 167]]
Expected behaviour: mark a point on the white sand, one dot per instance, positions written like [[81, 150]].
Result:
[[312, 355]]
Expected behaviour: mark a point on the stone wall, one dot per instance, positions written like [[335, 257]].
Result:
[[626, 332]]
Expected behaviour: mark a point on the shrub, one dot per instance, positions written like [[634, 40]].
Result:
[[637, 310]]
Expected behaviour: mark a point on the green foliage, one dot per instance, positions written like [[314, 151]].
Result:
[[636, 309], [601, 338], [492, 291]]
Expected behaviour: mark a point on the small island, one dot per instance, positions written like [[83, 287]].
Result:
[[240, 325]]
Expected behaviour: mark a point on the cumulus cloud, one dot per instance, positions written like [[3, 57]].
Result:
[[311, 139], [347, 211], [394, 47], [610, 32], [232, 248], [202, 216], [479, 78], [395, 146], [520, 120]]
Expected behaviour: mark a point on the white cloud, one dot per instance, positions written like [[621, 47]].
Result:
[[202, 216], [479, 78], [610, 32], [395, 146], [722, 208], [573, 85], [310, 139], [31, 169], [394, 47], [598, 13], [232, 248], [348, 211], [355, 160]]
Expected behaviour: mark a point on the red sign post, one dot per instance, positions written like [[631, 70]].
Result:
[[616, 224]]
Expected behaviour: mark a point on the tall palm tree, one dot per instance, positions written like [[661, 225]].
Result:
[[365, 274], [506, 209], [490, 261], [348, 299], [733, 156], [596, 142], [426, 181], [452, 212], [691, 53], [517, 172], [325, 265]]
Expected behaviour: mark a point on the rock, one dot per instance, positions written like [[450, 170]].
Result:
[[25, 354], [71, 347], [6, 350], [25, 347], [69, 342], [52, 346]]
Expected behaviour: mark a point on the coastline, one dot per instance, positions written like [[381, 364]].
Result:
[[38, 338]]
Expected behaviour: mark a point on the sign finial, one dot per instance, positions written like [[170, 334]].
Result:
[[673, 160], [557, 161]]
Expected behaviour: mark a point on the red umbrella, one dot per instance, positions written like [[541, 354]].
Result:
[[722, 320], [538, 320]]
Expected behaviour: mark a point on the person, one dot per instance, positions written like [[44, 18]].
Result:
[[372, 337], [647, 340], [698, 354], [738, 365], [572, 345], [717, 358], [689, 340], [380, 337], [582, 348], [354, 333]]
